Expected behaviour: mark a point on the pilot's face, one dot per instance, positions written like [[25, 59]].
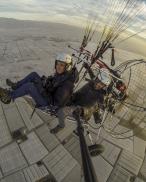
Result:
[[99, 85], [60, 67]]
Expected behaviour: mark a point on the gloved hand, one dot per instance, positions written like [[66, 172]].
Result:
[[48, 84], [53, 109], [44, 79]]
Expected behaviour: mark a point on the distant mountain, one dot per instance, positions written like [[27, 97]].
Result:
[[14, 23], [10, 27]]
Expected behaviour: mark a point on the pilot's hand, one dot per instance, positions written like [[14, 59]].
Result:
[[44, 79]]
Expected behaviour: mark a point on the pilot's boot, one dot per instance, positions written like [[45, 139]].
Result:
[[11, 84], [5, 96], [56, 129], [96, 149]]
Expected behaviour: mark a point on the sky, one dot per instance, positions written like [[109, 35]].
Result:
[[74, 12]]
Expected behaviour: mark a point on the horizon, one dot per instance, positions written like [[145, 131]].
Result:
[[128, 45], [71, 12], [76, 13]]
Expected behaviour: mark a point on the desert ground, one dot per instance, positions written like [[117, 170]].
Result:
[[27, 46]]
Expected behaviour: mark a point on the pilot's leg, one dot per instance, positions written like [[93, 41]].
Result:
[[62, 114], [32, 77], [31, 90]]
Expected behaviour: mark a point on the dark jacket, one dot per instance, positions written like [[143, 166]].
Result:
[[59, 87], [89, 99], [87, 96]]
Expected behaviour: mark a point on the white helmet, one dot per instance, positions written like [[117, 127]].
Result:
[[104, 76], [65, 58]]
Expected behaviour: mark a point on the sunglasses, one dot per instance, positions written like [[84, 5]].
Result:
[[60, 62]]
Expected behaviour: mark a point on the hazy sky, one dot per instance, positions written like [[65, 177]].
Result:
[[69, 11]]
